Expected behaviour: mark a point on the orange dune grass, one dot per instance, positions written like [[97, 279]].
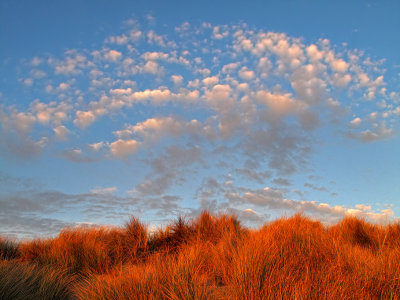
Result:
[[92, 249], [214, 257]]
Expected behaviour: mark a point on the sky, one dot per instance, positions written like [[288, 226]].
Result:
[[161, 109]]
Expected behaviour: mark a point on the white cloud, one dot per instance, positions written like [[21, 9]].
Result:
[[373, 115], [155, 128], [36, 61], [229, 68], [219, 98], [155, 56], [61, 132], [20, 122], [339, 65], [314, 53], [363, 207], [84, 118], [273, 199], [213, 80], [153, 37], [48, 88], [135, 35], [264, 66], [119, 92], [157, 124], [379, 132], [217, 34], [370, 136], [28, 81], [250, 215], [120, 40], [113, 55], [123, 148], [183, 27], [308, 86], [156, 95], [96, 146], [152, 67], [363, 211], [50, 113], [246, 74], [104, 190], [364, 79], [246, 44], [279, 104], [341, 80], [177, 79], [63, 86], [44, 116], [73, 63], [355, 122]]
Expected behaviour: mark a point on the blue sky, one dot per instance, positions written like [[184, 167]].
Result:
[[167, 108]]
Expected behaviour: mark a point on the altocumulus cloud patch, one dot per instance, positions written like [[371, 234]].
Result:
[[205, 116]]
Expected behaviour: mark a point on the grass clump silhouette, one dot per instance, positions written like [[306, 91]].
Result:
[[29, 281], [8, 249], [212, 257]]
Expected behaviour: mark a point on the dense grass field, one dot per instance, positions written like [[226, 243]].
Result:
[[211, 257]]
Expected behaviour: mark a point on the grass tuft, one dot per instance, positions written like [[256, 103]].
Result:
[[25, 282], [8, 249], [208, 257]]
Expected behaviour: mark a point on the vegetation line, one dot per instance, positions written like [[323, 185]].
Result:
[[210, 257]]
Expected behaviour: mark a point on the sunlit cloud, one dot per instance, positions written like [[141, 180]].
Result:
[[203, 101]]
